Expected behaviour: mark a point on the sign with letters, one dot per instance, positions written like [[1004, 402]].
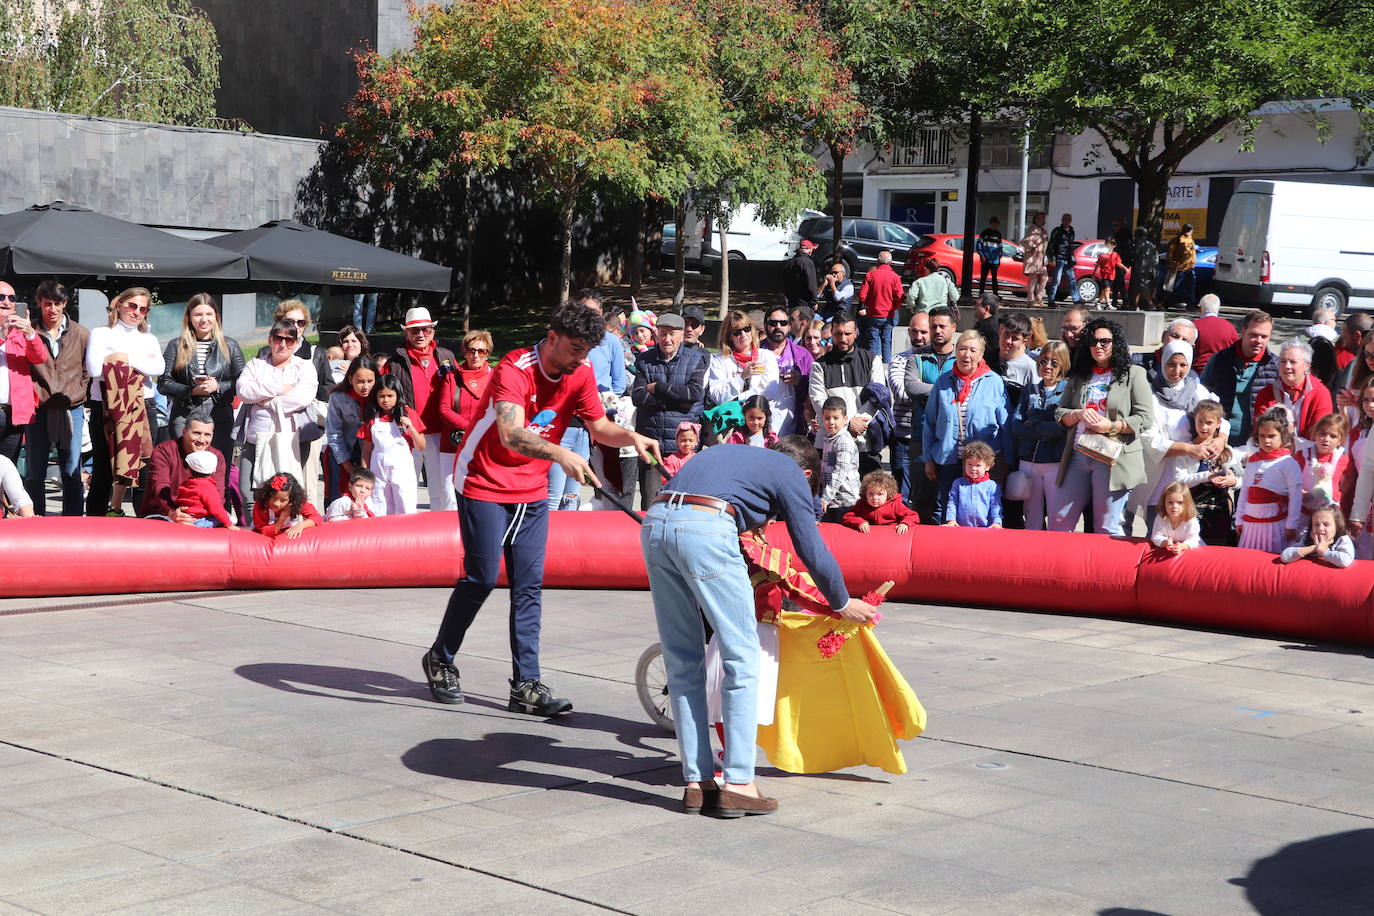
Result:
[[1184, 202]]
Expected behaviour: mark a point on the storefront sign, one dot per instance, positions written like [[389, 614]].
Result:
[[1185, 202]]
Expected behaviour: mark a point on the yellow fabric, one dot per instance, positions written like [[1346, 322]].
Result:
[[837, 712]]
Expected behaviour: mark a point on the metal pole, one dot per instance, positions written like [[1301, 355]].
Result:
[[1025, 179]]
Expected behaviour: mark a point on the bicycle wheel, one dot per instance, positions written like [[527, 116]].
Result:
[[651, 683]]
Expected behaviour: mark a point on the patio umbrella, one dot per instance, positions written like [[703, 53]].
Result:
[[290, 252], [66, 240]]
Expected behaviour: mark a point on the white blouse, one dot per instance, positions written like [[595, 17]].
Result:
[[141, 347], [260, 386]]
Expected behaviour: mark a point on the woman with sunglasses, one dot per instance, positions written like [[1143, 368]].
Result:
[[122, 360], [279, 382], [295, 312], [1107, 396], [463, 392], [742, 368]]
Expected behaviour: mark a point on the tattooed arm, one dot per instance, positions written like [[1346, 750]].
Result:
[[510, 424]]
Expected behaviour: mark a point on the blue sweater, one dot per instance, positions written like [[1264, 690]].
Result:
[[763, 484], [974, 505], [1040, 438]]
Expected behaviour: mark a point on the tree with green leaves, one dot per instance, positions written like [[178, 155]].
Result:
[[145, 60], [586, 96], [782, 86]]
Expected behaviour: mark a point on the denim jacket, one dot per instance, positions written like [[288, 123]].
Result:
[[1039, 436], [986, 417]]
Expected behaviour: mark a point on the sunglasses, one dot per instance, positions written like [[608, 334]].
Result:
[[298, 322], [141, 309], [480, 351], [278, 338], [1102, 341], [419, 330], [8, 297], [740, 332], [778, 324]]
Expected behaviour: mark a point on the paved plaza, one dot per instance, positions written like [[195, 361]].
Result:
[[276, 752]]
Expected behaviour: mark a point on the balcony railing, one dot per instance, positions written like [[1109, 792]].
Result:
[[934, 147], [923, 148]]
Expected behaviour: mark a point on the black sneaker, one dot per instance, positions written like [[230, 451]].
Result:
[[443, 680], [534, 698]]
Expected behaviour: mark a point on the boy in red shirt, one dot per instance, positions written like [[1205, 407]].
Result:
[[880, 503], [198, 496], [1108, 263]]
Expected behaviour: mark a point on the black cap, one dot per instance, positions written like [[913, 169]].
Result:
[[694, 313]]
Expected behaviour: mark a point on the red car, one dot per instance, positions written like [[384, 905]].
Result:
[[948, 250]]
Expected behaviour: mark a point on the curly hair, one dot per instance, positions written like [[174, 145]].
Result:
[[979, 451], [290, 486], [573, 319], [878, 480], [1083, 364]]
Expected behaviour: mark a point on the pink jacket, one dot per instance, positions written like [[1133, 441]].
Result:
[[20, 355]]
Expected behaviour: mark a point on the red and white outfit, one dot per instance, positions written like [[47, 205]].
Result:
[[1309, 403], [397, 490], [488, 471], [1321, 476], [1270, 502], [343, 510]]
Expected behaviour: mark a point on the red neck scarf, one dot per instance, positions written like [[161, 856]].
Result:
[[1268, 456], [1248, 359], [357, 397], [744, 359], [966, 381], [420, 356], [985, 476]]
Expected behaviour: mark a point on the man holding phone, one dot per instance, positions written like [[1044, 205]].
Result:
[[22, 350]]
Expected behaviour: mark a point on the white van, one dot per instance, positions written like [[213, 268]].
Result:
[[1298, 243], [747, 237]]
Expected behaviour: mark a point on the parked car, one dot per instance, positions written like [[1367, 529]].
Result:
[[748, 238], [948, 250], [1298, 244], [1190, 288], [860, 242], [1084, 260]]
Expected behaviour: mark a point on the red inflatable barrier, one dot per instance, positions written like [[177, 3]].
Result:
[[1214, 587]]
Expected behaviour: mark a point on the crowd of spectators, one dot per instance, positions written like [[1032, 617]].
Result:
[[994, 424]]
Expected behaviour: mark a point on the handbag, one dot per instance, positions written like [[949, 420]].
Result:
[[1018, 486], [277, 452], [1099, 447]]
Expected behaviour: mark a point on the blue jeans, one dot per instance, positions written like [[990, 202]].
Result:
[[38, 443], [901, 467], [1063, 269], [1086, 483], [564, 493], [946, 474], [877, 335], [694, 562], [358, 300], [519, 532]]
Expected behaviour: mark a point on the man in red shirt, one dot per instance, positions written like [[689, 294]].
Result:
[[1214, 333], [167, 470], [501, 478], [880, 298], [429, 365], [1357, 325]]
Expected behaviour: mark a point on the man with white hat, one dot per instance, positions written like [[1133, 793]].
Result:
[[799, 277], [429, 365]]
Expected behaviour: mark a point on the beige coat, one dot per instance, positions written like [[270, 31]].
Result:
[[1130, 400]]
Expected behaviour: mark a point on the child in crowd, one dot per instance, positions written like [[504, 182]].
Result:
[[880, 503], [198, 497], [758, 424], [1176, 527], [345, 416], [391, 430], [1214, 482], [839, 460], [1270, 507], [1104, 272], [687, 438], [337, 364], [1324, 461], [975, 500], [354, 503], [279, 508], [1324, 540]]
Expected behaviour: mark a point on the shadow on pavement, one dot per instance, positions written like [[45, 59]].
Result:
[[328, 681], [1329, 874]]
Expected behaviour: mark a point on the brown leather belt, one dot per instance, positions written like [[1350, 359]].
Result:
[[697, 502]]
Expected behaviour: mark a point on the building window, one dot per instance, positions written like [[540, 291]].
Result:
[[1002, 149], [922, 147]]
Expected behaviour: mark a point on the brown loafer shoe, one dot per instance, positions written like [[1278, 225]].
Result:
[[733, 804], [695, 798]]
